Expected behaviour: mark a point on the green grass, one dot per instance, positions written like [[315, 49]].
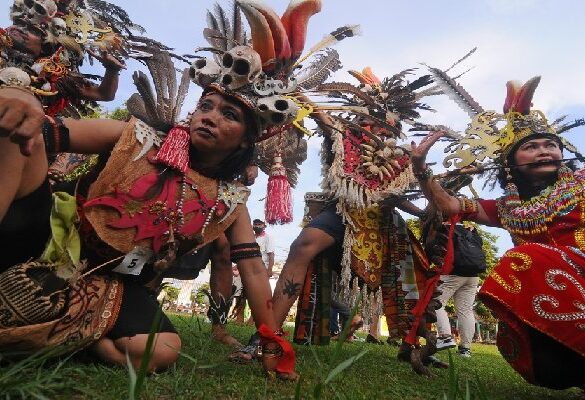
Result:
[[204, 373]]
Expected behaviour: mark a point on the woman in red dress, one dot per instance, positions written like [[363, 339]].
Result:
[[537, 289]]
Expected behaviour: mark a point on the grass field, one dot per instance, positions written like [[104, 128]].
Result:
[[205, 373]]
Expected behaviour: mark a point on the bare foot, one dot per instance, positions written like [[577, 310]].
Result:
[[219, 334], [269, 365], [356, 324]]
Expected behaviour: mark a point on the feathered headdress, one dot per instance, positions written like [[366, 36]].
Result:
[[368, 165], [70, 31], [491, 135], [267, 76]]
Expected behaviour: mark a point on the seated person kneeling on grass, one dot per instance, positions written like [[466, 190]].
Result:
[[147, 206]]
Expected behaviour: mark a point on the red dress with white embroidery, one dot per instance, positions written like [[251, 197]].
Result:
[[540, 283]]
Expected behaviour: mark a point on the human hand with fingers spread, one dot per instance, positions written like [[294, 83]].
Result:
[[107, 60], [21, 117], [418, 153]]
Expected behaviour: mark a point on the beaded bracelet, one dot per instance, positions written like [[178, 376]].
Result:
[[424, 175], [244, 250], [468, 206], [56, 135]]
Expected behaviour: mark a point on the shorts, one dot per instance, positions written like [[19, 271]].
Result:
[[329, 222], [137, 313], [188, 266]]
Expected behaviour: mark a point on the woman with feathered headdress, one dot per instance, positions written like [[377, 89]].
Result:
[[165, 189], [536, 289]]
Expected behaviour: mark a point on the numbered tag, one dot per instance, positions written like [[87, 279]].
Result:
[[134, 261]]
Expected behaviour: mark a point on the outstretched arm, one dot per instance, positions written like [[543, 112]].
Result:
[[257, 289], [22, 117], [443, 201], [92, 136], [106, 91]]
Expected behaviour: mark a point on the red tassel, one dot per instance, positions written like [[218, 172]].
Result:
[[174, 151], [278, 209]]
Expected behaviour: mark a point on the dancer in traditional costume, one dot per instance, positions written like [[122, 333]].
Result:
[[162, 191], [382, 267], [49, 41], [537, 288], [45, 49]]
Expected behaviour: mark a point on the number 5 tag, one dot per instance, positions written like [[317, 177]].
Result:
[[134, 261]]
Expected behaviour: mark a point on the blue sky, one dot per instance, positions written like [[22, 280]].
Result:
[[516, 39]]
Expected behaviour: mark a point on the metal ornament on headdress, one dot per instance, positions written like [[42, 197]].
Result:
[[491, 135], [82, 27]]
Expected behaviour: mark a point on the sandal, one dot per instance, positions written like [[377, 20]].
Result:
[[372, 339], [248, 353]]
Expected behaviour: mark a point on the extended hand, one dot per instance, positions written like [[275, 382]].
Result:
[[108, 60], [418, 153]]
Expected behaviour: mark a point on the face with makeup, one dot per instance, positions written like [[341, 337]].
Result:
[[218, 125], [538, 159]]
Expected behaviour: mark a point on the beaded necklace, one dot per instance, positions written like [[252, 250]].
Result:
[[531, 216], [181, 202]]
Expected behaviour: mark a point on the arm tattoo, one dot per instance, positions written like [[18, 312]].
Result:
[[291, 289]]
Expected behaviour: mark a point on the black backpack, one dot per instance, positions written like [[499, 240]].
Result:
[[469, 257]]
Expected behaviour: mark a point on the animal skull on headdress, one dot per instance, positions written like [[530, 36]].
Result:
[[277, 109], [204, 71], [39, 11], [241, 65], [18, 10], [58, 27], [14, 77]]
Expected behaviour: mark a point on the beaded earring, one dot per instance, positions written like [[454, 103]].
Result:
[[511, 195], [565, 173]]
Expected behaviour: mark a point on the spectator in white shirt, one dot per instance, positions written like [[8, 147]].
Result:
[[266, 244]]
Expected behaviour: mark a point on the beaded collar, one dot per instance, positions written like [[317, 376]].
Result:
[[531, 216]]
